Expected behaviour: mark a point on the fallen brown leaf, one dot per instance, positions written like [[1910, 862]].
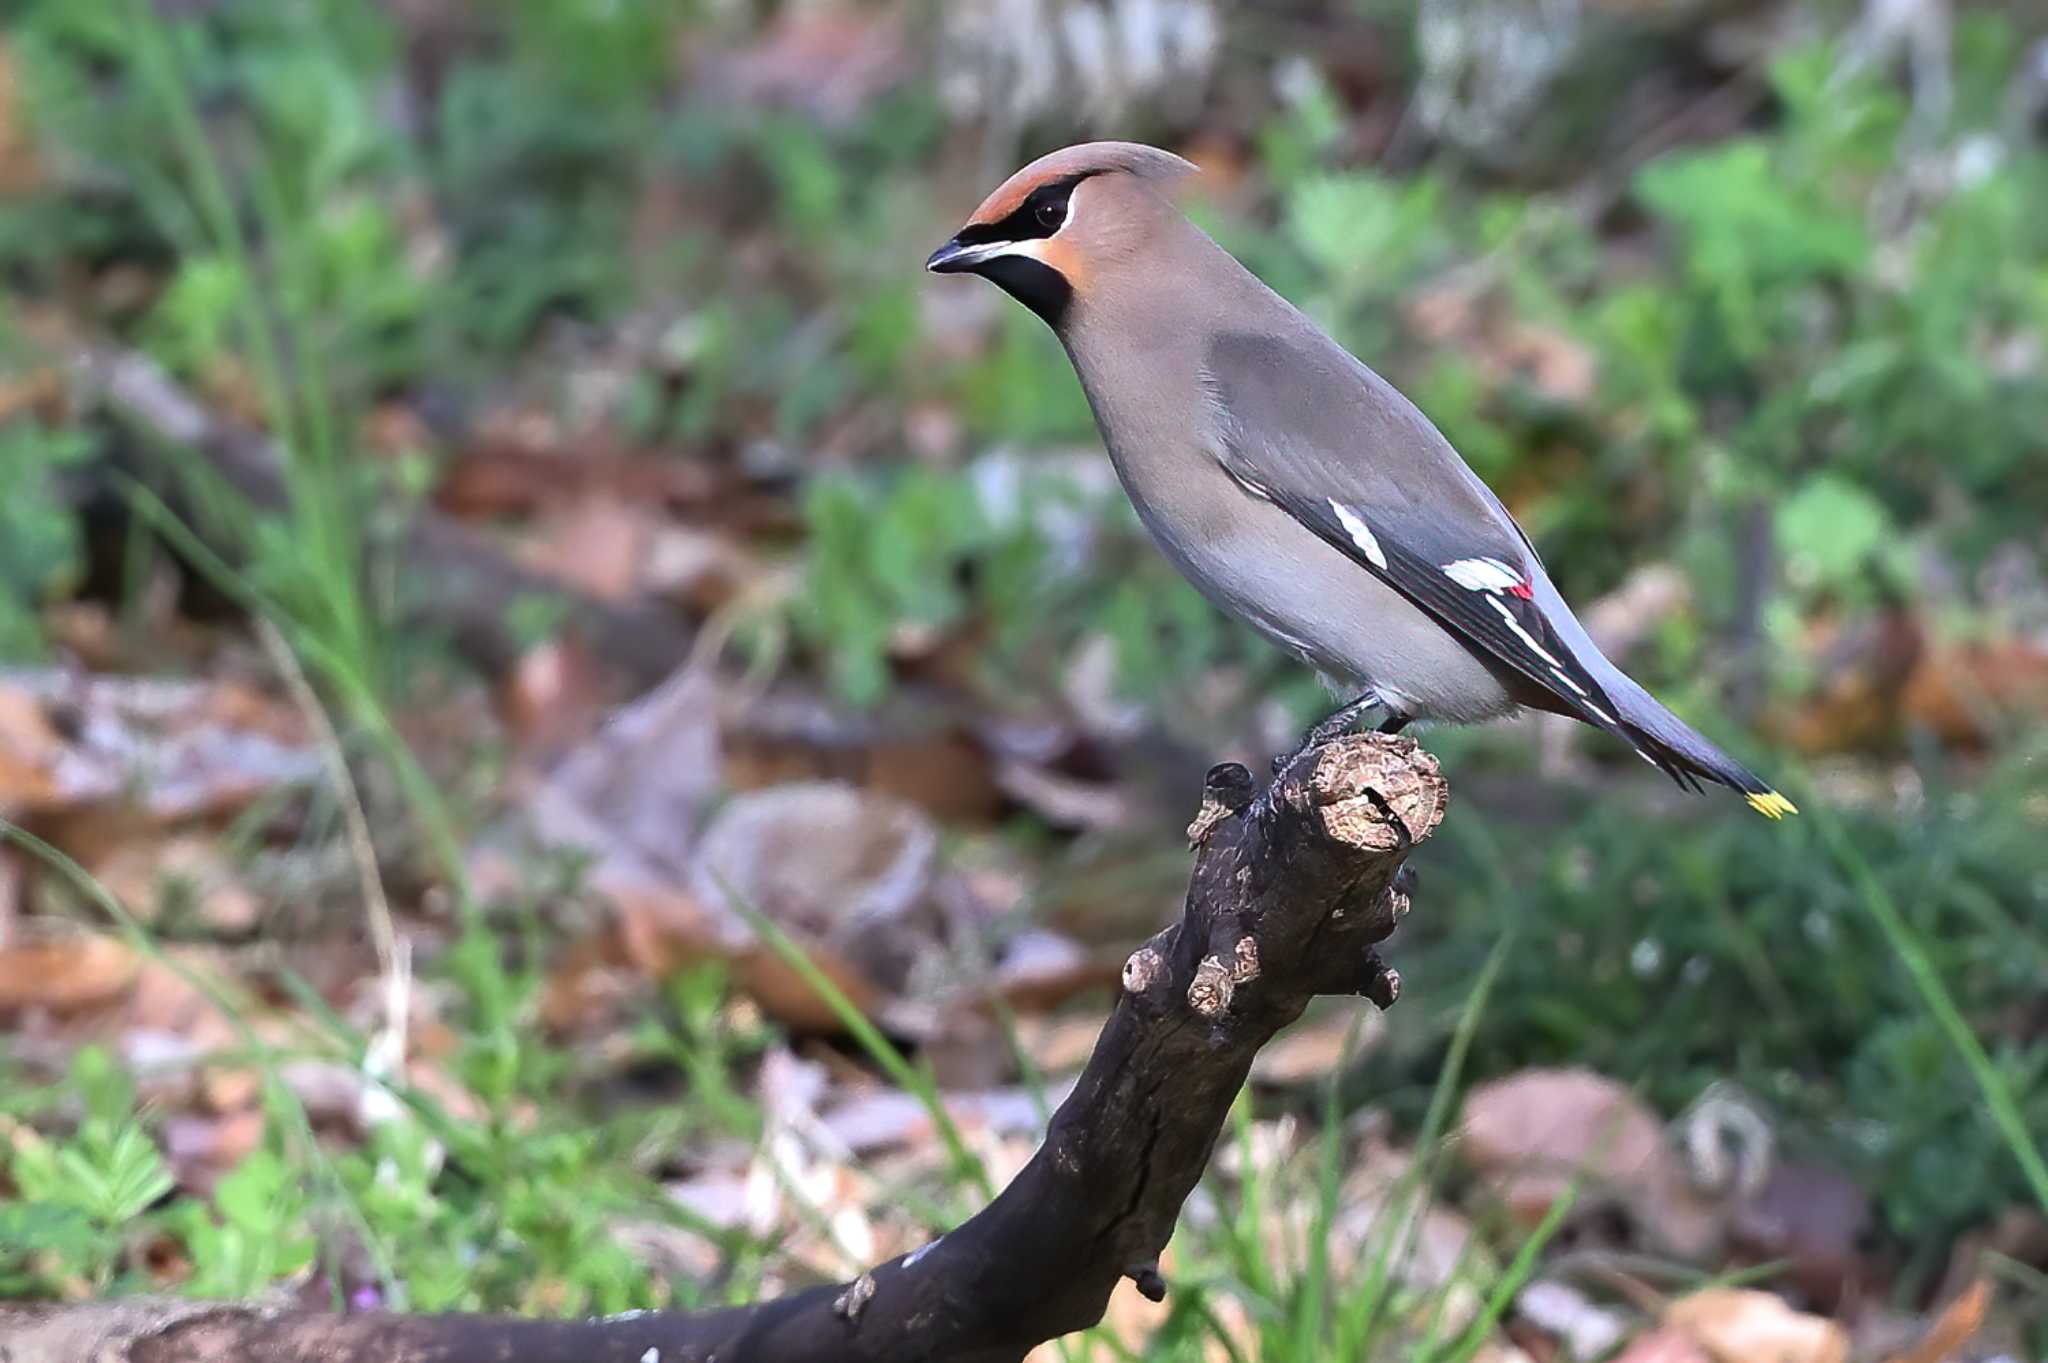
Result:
[[698, 568], [510, 470], [145, 870], [30, 392], [632, 793], [1042, 969], [1531, 1135], [787, 997], [66, 972], [589, 983], [224, 1090], [1968, 694], [1742, 1325], [890, 1118], [30, 752], [1862, 669], [1811, 1218], [1953, 1328], [903, 750], [1440, 1258], [167, 1000], [599, 543], [1663, 1346], [1065, 801], [1059, 1045], [164, 750], [846, 874]]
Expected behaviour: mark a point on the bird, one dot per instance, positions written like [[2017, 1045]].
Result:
[[1292, 485]]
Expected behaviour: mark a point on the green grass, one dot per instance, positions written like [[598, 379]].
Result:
[[1991, 1084]]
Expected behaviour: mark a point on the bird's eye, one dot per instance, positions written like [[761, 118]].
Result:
[[1052, 213]]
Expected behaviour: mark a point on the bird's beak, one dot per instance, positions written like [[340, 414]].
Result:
[[955, 258]]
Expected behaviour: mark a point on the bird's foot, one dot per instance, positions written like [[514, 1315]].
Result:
[[1340, 722]]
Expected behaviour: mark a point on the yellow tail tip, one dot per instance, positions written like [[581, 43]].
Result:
[[1771, 805]]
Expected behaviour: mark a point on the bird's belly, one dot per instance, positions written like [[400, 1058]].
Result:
[[1263, 567]]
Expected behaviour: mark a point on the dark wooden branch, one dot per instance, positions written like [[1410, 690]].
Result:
[[474, 583], [1293, 887]]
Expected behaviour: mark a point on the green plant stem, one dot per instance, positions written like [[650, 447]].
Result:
[[884, 1053], [1997, 1094]]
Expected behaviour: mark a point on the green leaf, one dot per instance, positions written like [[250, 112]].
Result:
[[112, 1174], [1364, 231], [1829, 529], [1750, 228]]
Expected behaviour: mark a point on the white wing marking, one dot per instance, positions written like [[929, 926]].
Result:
[[1516, 625], [1361, 534], [1483, 575]]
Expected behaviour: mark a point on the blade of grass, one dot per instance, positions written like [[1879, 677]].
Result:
[[1446, 1293], [1217, 1331], [1403, 1224], [1934, 995], [1027, 1068], [912, 1079], [1512, 1279], [1313, 1294], [327, 551], [1247, 1230], [363, 706]]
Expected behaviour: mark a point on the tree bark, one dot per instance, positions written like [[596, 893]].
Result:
[[1293, 886]]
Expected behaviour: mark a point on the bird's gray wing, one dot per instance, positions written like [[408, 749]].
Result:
[[1310, 429]]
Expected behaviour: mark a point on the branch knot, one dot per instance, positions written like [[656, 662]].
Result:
[[1142, 970], [1209, 993], [1226, 791], [849, 1304]]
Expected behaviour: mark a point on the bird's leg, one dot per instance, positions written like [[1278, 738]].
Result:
[[1339, 723]]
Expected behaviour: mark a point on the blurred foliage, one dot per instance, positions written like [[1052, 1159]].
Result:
[[1775, 345], [1741, 950], [39, 538]]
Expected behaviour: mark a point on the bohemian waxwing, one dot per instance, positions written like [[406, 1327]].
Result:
[[1291, 484]]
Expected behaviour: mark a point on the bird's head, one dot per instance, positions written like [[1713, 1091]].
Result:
[[1048, 231]]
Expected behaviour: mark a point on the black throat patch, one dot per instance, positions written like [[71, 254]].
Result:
[[1033, 283]]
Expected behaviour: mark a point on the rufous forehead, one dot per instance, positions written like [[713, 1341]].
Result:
[[1089, 158], [1077, 162], [1008, 197]]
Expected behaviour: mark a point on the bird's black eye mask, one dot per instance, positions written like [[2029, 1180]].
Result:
[[1043, 212], [985, 248]]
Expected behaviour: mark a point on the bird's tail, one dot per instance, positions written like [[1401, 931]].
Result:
[[1687, 757]]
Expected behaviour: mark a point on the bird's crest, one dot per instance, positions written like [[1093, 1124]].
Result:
[[1078, 162]]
